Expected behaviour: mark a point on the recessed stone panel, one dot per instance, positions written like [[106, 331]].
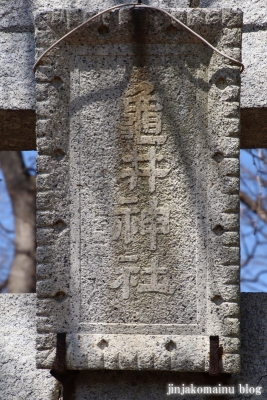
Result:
[[138, 138]]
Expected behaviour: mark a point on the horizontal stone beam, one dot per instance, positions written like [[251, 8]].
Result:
[[17, 129], [253, 128], [19, 375]]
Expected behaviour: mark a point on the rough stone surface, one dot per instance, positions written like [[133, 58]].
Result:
[[16, 16], [19, 378], [254, 47], [147, 385], [138, 138], [17, 87], [254, 345], [39, 5], [254, 82], [255, 11]]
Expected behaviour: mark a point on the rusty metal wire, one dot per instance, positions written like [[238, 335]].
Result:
[[134, 5]]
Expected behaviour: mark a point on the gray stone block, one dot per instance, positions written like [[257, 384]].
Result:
[[138, 205], [254, 77], [17, 86], [19, 378], [255, 11], [38, 5], [253, 343], [121, 385], [16, 16], [17, 83]]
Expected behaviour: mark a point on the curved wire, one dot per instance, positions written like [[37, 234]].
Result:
[[134, 5]]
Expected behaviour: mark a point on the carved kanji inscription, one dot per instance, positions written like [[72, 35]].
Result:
[[142, 119], [130, 122], [135, 209]]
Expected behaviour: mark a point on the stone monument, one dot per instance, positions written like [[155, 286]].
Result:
[[138, 178]]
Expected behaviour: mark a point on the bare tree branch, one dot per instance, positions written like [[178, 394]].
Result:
[[254, 206], [21, 187], [3, 285]]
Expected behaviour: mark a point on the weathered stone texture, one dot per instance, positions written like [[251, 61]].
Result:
[[255, 11], [153, 137], [16, 16], [19, 379], [254, 345], [254, 80], [145, 385], [16, 71], [39, 5]]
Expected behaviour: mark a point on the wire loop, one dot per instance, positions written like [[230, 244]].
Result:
[[139, 5]]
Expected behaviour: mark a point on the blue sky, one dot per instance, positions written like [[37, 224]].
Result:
[[7, 219], [252, 228], [6, 238]]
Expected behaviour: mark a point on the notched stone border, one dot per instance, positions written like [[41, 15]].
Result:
[[223, 28]]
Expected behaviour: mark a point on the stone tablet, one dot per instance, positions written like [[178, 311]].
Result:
[[138, 180]]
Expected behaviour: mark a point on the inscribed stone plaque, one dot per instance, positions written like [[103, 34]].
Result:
[[138, 140]]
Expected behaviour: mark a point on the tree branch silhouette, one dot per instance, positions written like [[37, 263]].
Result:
[[21, 187], [254, 206]]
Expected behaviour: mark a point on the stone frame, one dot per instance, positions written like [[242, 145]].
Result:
[[86, 351]]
